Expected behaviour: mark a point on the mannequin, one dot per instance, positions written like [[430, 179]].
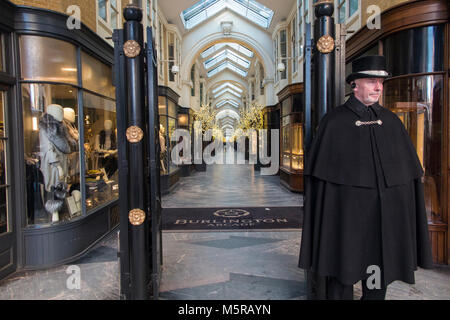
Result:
[[162, 143], [54, 149], [105, 147], [72, 137]]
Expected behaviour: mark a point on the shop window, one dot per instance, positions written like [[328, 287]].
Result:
[[418, 102], [4, 179], [418, 50], [97, 76], [59, 56], [51, 146], [100, 147], [291, 135], [56, 188], [168, 124]]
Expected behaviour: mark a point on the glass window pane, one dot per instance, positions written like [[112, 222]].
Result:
[[51, 146], [342, 13], [172, 109], [162, 107], [97, 76], [114, 19], [353, 7], [102, 9], [100, 147], [47, 59], [418, 102]]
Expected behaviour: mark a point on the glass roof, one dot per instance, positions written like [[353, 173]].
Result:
[[225, 91], [223, 102], [227, 65], [228, 84], [239, 48], [227, 54], [205, 9]]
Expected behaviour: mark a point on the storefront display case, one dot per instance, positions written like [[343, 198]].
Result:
[[291, 137], [62, 186], [184, 122], [168, 122]]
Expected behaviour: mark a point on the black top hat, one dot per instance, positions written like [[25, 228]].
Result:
[[368, 67]]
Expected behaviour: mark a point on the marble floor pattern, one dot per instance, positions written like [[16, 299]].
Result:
[[208, 266], [230, 185]]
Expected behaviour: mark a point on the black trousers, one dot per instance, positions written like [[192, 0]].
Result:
[[338, 291]]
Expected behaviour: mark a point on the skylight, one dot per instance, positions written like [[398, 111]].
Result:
[[228, 84], [239, 48], [228, 101], [227, 54], [205, 9], [227, 65], [225, 91]]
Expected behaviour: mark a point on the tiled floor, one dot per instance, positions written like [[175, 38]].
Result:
[[212, 265], [209, 265], [230, 185]]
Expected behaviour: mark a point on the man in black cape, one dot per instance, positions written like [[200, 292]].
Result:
[[364, 203]]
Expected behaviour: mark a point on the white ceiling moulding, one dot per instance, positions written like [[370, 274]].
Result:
[[226, 27]]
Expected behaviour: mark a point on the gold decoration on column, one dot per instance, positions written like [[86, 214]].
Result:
[[134, 134], [323, 2], [136, 217], [325, 44], [131, 48]]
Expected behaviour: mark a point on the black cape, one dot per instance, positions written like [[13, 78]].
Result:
[[364, 201]]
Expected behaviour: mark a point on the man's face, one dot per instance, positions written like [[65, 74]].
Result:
[[368, 90]]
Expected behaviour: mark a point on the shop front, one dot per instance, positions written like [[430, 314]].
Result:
[[168, 122], [291, 137], [59, 189], [417, 51]]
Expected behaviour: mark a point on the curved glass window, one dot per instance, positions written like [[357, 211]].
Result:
[[51, 145], [47, 59], [418, 50], [418, 102]]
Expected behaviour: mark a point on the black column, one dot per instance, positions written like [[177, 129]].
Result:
[[136, 152], [323, 61]]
